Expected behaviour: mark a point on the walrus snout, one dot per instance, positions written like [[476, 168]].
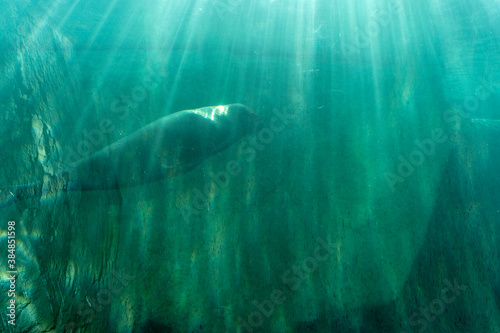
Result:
[[254, 121], [247, 120]]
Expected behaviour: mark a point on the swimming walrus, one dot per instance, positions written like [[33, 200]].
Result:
[[168, 146]]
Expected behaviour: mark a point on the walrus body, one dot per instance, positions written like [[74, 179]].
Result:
[[168, 146]]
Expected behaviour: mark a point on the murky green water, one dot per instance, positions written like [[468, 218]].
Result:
[[366, 199]]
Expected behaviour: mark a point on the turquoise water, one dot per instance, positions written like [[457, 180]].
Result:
[[366, 199]]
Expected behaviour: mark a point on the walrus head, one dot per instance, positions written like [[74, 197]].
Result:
[[243, 120], [204, 132]]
